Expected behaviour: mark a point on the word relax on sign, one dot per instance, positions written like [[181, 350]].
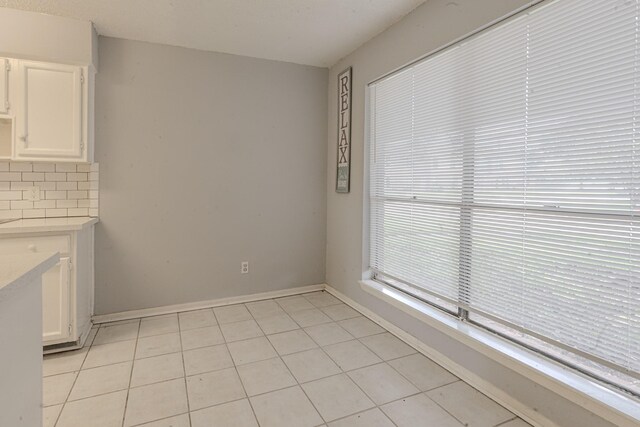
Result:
[[344, 131]]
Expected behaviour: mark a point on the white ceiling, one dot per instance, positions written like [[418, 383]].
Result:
[[313, 32]]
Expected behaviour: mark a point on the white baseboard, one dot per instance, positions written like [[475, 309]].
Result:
[[169, 309], [518, 408]]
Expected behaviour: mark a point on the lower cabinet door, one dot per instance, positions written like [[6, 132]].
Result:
[[55, 303]]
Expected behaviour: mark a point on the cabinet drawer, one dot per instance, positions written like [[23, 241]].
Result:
[[14, 245]]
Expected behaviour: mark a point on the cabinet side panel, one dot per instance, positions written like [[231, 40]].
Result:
[[84, 279], [4, 85]]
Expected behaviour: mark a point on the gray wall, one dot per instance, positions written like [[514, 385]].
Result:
[[432, 25], [206, 160]]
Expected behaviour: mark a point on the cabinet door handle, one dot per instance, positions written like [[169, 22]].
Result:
[[23, 138], [32, 248]]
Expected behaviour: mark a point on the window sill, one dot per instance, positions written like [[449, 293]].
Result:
[[607, 403]]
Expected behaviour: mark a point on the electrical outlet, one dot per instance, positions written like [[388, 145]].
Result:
[[32, 194], [244, 267]]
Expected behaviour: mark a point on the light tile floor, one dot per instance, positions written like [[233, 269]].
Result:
[[304, 360]]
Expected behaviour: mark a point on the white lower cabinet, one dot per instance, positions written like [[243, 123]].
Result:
[[56, 285], [67, 288]]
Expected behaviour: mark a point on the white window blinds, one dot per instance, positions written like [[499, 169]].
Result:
[[505, 177]]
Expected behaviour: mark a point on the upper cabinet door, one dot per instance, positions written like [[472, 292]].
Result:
[[49, 119], [4, 85]]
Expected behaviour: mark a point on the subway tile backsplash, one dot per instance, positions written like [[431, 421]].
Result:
[[66, 189]]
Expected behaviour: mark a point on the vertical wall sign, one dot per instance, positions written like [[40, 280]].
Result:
[[344, 131]]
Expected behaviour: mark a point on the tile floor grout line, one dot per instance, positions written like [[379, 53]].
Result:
[[425, 391], [342, 373], [76, 378], [122, 389], [255, 320], [57, 417], [477, 391], [92, 396], [255, 416], [114, 342], [133, 361], [367, 410], [196, 328], [139, 358], [235, 366], [443, 385], [265, 317], [184, 371], [279, 356], [191, 329], [299, 385], [409, 379], [407, 397], [161, 419], [312, 404], [157, 335], [226, 402], [106, 325], [321, 345], [104, 393], [445, 410]]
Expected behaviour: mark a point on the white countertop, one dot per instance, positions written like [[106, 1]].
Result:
[[18, 269], [43, 225]]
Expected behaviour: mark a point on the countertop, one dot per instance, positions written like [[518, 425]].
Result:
[[43, 225], [20, 269]]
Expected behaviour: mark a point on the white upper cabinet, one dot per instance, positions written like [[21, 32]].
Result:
[[50, 119], [4, 85]]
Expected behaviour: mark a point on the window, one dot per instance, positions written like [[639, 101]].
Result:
[[505, 182]]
